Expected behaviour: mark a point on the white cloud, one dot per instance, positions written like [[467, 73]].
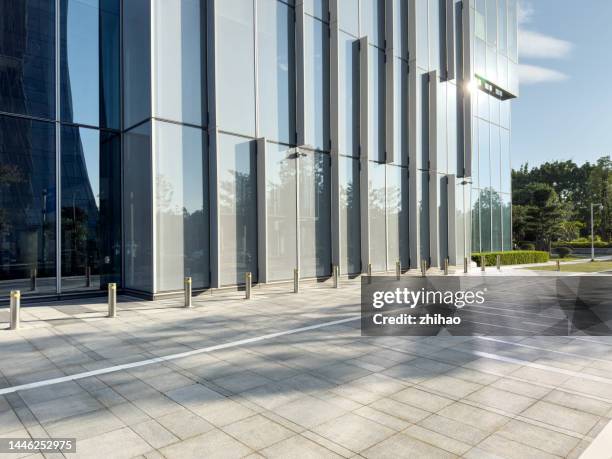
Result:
[[533, 74], [525, 12], [539, 46]]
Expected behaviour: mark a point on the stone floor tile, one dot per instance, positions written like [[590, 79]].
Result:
[[501, 400], [566, 418], [298, 446], [309, 411], [422, 399], [154, 434], [211, 445], [538, 437], [119, 444], [402, 446], [258, 432], [354, 432]]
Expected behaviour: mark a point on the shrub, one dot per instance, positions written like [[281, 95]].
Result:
[[563, 252], [515, 257], [580, 244], [527, 246]]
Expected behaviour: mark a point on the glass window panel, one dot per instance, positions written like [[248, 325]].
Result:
[[400, 28], [90, 51], [441, 133], [317, 8], [281, 212], [316, 83], [376, 113], [314, 187], [512, 30], [484, 169], [27, 67], [237, 208], [475, 220], [348, 12], [494, 109], [179, 32], [485, 219], [235, 66], [400, 112], [492, 22], [503, 27], [504, 114], [377, 208], [136, 62], [422, 34], [349, 95], [483, 105], [423, 208], [91, 208], [492, 64], [372, 15], [496, 221], [397, 217], [442, 209], [27, 205], [480, 50], [181, 215], [480, 25], [506, 167], [495, 159], [350, 220], [422, 120], [453, 140], [435, 37], [137, 207], [276, 70], [506, 221], [502, 71]]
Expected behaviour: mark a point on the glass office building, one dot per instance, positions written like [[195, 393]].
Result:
[[143, 141]]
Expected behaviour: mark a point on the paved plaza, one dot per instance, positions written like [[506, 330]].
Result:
[[288, 375]]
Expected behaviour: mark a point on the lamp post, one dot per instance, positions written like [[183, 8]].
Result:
[[600, 206]]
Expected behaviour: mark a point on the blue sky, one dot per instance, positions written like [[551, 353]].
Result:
[[565, 106]]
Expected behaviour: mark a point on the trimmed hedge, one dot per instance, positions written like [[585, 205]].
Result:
[[583, 245], [515, 257]]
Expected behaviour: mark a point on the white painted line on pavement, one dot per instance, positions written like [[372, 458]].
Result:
[[141, 363]]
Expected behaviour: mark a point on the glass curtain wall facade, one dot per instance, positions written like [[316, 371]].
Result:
[[145, 141]]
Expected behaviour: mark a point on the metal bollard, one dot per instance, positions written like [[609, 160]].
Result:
[[398, 270], [423, 268], [336, 273], [465, 265], [248, 279], [558, 265], [88, 276], [187, 284], [446, 266], [498, 261], [112, 300], [483, 263], [15, 307], [296, 280], [369, 273], [33, 274]]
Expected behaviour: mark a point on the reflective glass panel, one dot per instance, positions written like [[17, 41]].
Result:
[[237, 172], [372, 15], [180, 77], [181, 200], [400, 112], [91, 208], [496, 221], [348, 137], [27, 206], [506, 221], [314, 188], [475, 220], [348, 12], [281, 212], [27, 51], [398, 248], [90, 56], [378, 226], [316, 83], [376, 115], [276, 70], [235, 70], [350, 222], [138, 208]]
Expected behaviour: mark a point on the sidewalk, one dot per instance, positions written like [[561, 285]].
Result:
[[293, 377]]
